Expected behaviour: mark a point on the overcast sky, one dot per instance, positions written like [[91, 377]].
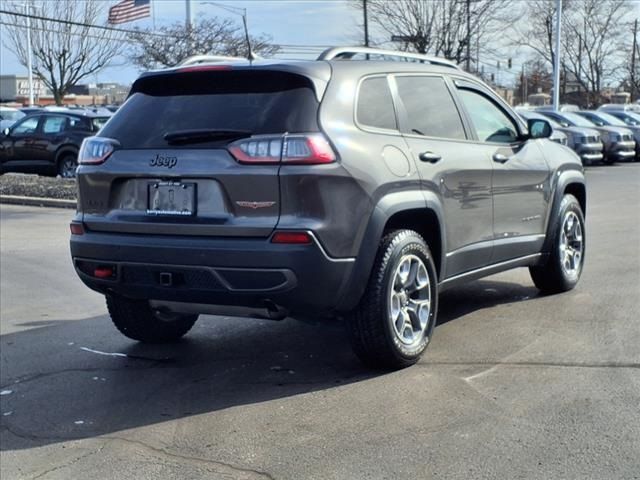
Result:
[[288, 22]]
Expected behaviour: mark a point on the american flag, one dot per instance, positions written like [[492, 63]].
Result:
[[129, 10]]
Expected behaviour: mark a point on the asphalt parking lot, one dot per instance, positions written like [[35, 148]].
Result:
[[514, 385]]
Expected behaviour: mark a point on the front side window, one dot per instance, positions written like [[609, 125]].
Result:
[[430, 107], [26, 127], [491, 124], [375, 105], [54, 124]]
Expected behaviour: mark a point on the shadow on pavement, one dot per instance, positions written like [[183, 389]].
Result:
[[62, 381]]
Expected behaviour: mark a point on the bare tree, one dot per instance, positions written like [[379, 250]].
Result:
[[448, 28], [211, 36], [593, 34], [63, 53]]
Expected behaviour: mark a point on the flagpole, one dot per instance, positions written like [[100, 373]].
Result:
[[153, 15]]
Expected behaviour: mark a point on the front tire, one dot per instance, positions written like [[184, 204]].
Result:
[[562, 270], [393, 324], [136, 320]]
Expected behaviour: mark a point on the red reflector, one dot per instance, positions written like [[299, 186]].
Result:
[[299, 238], [76, 228], [103, 272]]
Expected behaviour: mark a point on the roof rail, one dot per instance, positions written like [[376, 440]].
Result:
[[346, 53], [197, 59]]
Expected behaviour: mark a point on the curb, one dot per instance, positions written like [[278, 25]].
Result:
[[37, 202]]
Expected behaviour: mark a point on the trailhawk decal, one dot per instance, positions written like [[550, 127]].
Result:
[[255, 205]]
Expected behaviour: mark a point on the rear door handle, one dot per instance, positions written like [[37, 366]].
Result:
[[429, 157], [500, 158]]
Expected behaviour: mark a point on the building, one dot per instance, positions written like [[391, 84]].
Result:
[[15, 89]]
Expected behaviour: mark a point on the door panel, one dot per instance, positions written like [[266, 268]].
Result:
[[521, 176], [19, 144], [451, 167]]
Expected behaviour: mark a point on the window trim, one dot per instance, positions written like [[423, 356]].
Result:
[[403, 119], [370, 128]]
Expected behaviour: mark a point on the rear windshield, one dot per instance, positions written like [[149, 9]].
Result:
[[262, 102]]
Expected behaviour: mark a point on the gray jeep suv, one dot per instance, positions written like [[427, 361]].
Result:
[[359, 188]]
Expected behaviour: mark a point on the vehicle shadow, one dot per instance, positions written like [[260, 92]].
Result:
[[82, 379]]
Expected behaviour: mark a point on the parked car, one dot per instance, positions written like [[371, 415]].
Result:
[[621, 107], [9, 116], [630, 119], [358, 188], [584, 141], [602, 118], [47, 142], [615, 139]]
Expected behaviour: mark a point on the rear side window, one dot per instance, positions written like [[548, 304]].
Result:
[[430, 108], [262, 102], [375, 105], [54, 124]]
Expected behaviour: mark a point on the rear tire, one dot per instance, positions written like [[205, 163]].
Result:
[[562, 270], [136, 319], [394, 322]]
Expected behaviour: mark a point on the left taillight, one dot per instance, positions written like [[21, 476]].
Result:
[[291, 149], [95, 150]]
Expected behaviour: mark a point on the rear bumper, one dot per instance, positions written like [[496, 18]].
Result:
[[213, 271]]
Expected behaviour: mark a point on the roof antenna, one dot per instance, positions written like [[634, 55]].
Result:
[[250, 55]]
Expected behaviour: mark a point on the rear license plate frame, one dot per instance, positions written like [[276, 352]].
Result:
[[162, 201]]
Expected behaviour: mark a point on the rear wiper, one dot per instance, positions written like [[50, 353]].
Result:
[[204, 135]]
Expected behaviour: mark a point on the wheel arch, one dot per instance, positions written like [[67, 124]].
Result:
[[569, 182], [413, 210], [65, 149]]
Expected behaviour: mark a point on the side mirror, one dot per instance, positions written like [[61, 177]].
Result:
[[539, 128], [5, 132]]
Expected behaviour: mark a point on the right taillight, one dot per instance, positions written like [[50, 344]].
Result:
[[295, 149], [95, 150]]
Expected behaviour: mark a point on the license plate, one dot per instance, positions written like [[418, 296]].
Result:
[[171, 198]]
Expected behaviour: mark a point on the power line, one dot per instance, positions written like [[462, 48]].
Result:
[[80, 24]]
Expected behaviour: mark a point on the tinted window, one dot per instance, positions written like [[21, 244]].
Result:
[[430, 107], [26, 127], [261, 102], [78, 124], [375, 106], [53, 124], [491, 124], [98, 122]]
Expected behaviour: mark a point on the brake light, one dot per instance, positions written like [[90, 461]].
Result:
[[95, 150], [297, 238], [298, 149], [203, 68], [76, 228]]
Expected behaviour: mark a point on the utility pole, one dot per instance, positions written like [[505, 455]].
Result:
[[524, 85], [27, 11], [556, 62], [633, 60], [189, 19], [366, 23], [468, 35]]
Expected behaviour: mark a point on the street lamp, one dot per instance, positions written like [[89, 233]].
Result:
[[243, 13]]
